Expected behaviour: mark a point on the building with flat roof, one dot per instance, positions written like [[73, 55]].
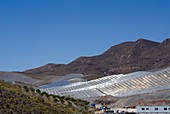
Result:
[[153, 110]]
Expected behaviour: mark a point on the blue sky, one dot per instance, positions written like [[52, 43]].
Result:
[[37, 32]]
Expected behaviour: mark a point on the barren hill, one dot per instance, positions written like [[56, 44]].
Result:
[[122, 58]]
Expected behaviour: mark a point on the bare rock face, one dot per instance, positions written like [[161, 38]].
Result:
[[122, 58]]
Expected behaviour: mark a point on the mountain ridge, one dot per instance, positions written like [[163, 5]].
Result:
[[125, 57]]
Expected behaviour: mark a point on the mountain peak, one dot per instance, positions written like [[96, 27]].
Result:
[[166, 42], [142, 40], [143, 43], [122, 58]]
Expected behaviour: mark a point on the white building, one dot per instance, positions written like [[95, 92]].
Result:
[[153, 110]]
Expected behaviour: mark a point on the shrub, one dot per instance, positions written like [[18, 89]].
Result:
[[86, 102], [62, 100], [69, 104], [45, 93], [62, 97], [67, 98], [26, 88], [32, 89], [55, 100], [38, 91]]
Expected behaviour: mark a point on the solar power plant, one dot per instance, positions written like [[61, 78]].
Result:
[[115, 85]]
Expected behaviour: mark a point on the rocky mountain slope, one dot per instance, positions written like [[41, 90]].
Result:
[[122, 58]]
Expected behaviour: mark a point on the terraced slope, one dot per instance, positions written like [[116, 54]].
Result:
[[64, 80], [116, 85], [146, 84]]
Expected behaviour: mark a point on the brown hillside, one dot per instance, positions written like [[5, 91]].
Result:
[[122, 58]]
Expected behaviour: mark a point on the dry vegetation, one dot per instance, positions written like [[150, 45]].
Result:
[[24, 100]]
